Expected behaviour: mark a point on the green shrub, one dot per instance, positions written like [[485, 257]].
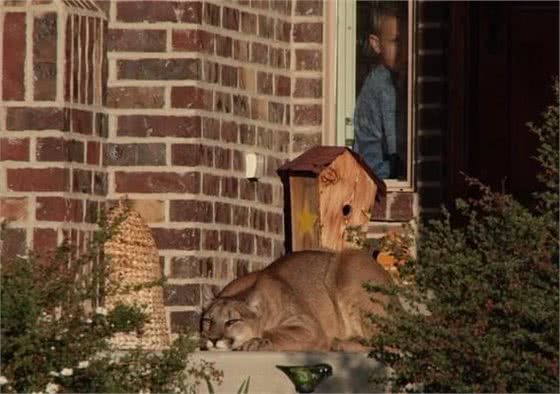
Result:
[[52, 342], [481, 301]]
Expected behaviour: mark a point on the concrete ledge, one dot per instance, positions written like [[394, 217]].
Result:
[[351, 371]]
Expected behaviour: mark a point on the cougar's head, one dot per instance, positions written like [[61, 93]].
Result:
[[227, 324]]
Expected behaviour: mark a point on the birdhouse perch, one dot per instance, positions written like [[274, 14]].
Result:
[[326, 189]]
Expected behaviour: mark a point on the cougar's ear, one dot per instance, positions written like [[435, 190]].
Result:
[[209, 294]]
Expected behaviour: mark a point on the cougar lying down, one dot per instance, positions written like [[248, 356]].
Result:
[[307, 301]]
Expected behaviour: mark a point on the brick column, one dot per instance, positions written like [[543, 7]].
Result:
[[52, 122]]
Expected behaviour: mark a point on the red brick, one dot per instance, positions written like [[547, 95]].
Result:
[[81, 181], [191, 211], [223, 102], [134, 154], [246, 243], [264, 246], [222, 213], [257, 219], [241, 50], [83, 60], [82, 121], [38, 179], [264, 193], [274, 223], [212, 14], [276, 112], [230, 19], [211, 72], [135, 97], [309, 7], [16, 149], [259, 53], [14, 49], [159, 11], [159, 69], [211, 128], [229, 132], [33, 118], [307, 115], [51, 209], [13, 209], [68, 59], [306, 87], [44, 239], [240, 216], [92, 22], [266, 27], [230, 187], [44, 56], [247, 189], [190, 97], [264, 83], [224, 46], [136, 40], [282, 85], [211, 185], [100, 183], [380, 209], [52, 149], [178, 239], [211, 239], [157, 182], [159, 126], [222, 158], [228, 241], [241, 106], [229, 76], [401, 208], [187, 40], [247, 134], [248, 23], [192, 155], [308, 32], [93, 148], [308, 60], [283, 30]]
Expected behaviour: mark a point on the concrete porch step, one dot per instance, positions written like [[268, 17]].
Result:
[[351, 371]]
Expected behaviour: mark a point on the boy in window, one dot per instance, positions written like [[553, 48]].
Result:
[[375, 134]]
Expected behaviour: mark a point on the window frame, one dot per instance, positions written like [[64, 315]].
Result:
[[340, 95]]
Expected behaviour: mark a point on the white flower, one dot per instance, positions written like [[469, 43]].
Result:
[[3, 380], [101, 311], [53, 373], [88, 321], [52, 388], [83, 364], [67, 372]]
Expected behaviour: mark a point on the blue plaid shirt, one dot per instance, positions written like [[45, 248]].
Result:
[[375, 121]]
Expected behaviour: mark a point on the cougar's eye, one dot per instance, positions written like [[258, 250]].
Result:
[[231, 322]]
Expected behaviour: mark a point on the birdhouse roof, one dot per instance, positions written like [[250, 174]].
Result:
[[316, 159]]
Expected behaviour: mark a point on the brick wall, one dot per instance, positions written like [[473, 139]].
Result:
[[194, 86], [52, 122]]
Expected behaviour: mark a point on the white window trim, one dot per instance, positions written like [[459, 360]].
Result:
[[339, 81]]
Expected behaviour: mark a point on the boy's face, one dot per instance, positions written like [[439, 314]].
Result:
[[386, 44]]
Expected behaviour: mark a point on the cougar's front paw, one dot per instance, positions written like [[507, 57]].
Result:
[[257, 344]]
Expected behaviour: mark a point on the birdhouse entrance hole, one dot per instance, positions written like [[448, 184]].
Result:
[[346, 209]]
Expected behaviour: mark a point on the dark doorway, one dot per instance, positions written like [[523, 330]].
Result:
[[503, 60]]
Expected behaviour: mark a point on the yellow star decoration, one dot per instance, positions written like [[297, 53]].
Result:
[[306, 220]]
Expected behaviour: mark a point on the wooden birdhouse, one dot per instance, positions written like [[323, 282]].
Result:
[[326, 189]]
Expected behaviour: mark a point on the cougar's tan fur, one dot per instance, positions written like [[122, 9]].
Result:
[[306, 301]]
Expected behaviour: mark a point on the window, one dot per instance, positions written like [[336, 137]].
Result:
[[374, 88]]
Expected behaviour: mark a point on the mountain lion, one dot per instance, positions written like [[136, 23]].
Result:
[[306, 301]]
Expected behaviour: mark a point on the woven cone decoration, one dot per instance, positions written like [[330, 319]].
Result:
[[134, 261]]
